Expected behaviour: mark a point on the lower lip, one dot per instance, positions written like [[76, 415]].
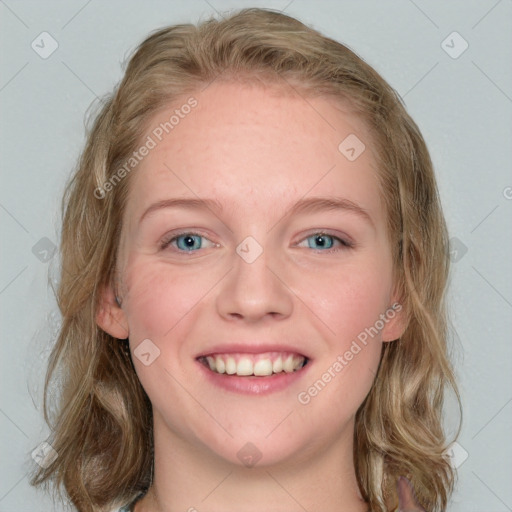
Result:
[[254, 385]]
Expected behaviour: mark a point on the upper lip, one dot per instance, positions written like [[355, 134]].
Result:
[[250, 348]]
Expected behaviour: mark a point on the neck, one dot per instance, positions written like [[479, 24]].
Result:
[[187, 478]]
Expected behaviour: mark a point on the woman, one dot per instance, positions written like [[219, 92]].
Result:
[[254, 260]]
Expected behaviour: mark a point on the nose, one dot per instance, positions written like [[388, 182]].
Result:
[[255, 288]]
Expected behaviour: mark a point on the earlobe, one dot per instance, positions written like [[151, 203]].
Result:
[[395, 322], [110, 316]]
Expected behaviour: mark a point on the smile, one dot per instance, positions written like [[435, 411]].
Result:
[[258, 365]]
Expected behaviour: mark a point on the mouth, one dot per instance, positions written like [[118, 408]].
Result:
[[262, 365]]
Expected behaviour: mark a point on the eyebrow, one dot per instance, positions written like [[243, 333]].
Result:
[[305, 205]]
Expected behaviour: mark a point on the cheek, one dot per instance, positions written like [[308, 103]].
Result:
[[352, 309], [158, 299], [350, 300], [344, 375], [157, 305]]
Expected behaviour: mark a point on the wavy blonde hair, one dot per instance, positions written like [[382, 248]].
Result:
[[102, 429]]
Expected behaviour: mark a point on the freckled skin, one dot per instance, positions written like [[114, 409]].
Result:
[[258, 154]]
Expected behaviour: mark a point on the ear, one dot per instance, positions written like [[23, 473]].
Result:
[[395, 322], [109, 316]]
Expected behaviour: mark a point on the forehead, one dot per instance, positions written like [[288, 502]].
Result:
[[253, 145]]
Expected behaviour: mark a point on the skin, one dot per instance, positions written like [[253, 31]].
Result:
[[258, 151], [406, 497]]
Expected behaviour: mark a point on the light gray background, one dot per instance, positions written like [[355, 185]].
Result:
[[463, 107]]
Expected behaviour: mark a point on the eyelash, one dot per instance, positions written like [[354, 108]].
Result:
[[344, 244]]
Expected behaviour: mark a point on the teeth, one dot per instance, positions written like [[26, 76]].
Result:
[[263, 367], [288, 364], [220, 367], [244, 366], [260, 365], [230, 366], [211, 362], [277, 366]]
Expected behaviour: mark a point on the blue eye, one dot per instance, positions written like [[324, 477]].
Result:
[[185, 242], [325, 242], [191, 242]]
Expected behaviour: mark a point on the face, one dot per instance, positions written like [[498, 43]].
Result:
[[259, 316]]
